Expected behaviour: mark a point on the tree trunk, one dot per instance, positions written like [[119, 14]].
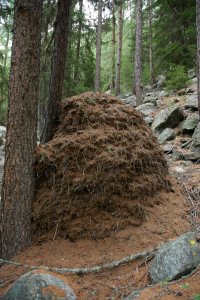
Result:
[[119, 50], [98, 49], [198, 50], [57, 69], [112, 86], [151, 43], [138, 53], [78, 40], [18, 182]]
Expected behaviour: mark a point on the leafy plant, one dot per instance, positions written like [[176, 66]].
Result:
[[176, 78]]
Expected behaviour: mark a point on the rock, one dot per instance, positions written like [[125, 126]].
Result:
[[167, 118], [167, 135], [182, 92], [177, 154], [33, 286], [175, 100], [167, 148], [134, 295], [175, 259], [196, 139], [191, 90], [131, 100], [186, 163], [194, 80], [193, 156], [189, 124], [148, 120], [146, 109], [192, 102], [3, 132], [150, 99], [184, 145], [108, 92], [179, 170], [160, 81]]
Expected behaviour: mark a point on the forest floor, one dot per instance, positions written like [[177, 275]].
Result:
[[172, 214]]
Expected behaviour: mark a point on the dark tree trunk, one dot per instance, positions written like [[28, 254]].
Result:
[[18, 182], [57, 69], [138, 54], [151, 43], [112, 86], [119, 50], [78, 40], [198, 50], [98, 48]]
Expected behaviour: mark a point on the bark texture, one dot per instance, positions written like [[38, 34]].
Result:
[[78, 40], [18, 181], [198, 50], [112, 86], [151, 43], [98, 48], [57, 69], [138, 53], [119, 50]]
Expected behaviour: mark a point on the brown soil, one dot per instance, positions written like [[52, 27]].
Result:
[[84, 218]]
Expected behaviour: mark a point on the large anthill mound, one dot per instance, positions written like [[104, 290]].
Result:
[[98, 173]]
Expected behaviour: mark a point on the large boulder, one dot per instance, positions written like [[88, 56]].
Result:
[[189, 124], [131, 100], [146, 109], [196, 139], [167, 118], [175, 259], [193, 156], [192, 102], [39, 286], [167, 135]]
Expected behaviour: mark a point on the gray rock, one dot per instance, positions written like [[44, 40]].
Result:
[[176, 100], [167, 118], [186, 163], [193, 156], [196, 139], [191, 90], [192, 102], [146, 109], [167, 148], [175, 259], [3, 132], [167, 135], [194, 80], [134, 295], [189, 124], [130, 100], [33, 286], [179, 170], [160, 81], [148, 120], [177, 154], [150, 99]]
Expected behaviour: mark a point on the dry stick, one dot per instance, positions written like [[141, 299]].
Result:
[[114, 264]]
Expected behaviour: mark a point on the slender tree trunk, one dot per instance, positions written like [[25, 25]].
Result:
[[198, 50], [112, 86], [151, 43], [18, 182], [6, 47], [78, 41], [119, 50], [57, 69], [98, 48], [138, 53]]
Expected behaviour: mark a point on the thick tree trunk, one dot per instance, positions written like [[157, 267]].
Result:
[[18, 182], [78, 40], [112, 86], [119, 50], [57, 69], [138, 53], [198, 50], [98, 48], [151, 43]]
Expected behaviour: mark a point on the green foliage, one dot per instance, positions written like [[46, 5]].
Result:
[[177, 78], [197, 296]]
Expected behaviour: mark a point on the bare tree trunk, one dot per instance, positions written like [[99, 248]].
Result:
[[112, 86], [18, 182], [119, 50], [198, 50], [78, 40], [98, 49], [138, 53], [57, 69], [151, 43]]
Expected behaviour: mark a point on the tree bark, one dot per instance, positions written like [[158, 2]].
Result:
[[198, 50], [21, 137], [78, 41], [112, 86], [151, 43], [57, 69], [98, 48], [119, 50], [138, 53]]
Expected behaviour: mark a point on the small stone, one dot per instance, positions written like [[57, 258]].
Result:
[[189, 124], [167, 135], [177, 154]]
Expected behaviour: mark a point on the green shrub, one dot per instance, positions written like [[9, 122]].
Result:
[[176, 78]]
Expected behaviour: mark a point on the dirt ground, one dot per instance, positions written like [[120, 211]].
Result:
[[165, 214]]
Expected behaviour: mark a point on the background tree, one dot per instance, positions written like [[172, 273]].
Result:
[[119, 49], [98, 48], [18, 182], [198, 49], [57, 69], [151, 42]]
